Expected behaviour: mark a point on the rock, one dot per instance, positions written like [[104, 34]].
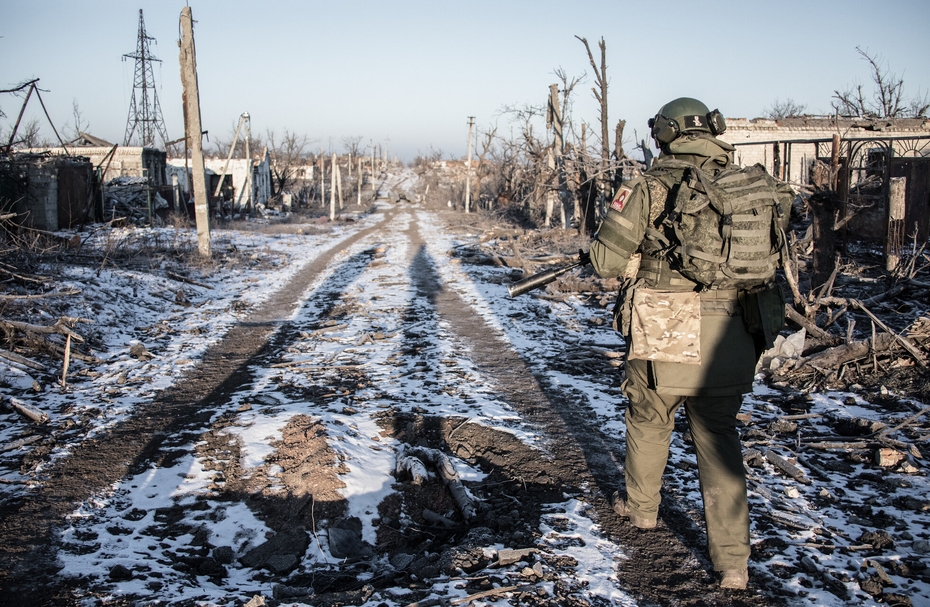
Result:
[[509, 557], [137, 350], [401, 560], [290, 541], [119, 573], [469, 555], [878, 539], [345, 539], [887, 457], [281, 563], [871, 585], [223, 554], [211, 568]]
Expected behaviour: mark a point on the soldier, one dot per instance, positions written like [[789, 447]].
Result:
[[687, 342]]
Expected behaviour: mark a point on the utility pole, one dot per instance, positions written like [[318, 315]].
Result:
[[332, 190], [145, 117], [193, 129], [471, 124], [232, 148]]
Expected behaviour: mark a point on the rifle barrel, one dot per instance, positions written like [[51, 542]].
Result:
[[539, 280]]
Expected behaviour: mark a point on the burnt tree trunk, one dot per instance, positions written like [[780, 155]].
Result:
[[824, 203], [823, 207]]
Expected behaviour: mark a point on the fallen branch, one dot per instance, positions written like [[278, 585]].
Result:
[[61, 327], [831, 359], [808, 325], [42, 295], [905, 342], [831, 445], [448, 475], [22, 360], [18, 444], [906, 422], [39, 417], [180, 278], [787, 467]]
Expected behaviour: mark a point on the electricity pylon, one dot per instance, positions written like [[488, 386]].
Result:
[[145, 119]]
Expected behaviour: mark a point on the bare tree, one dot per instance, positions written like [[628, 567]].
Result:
[[887, 100], [73, 130], [784, 109], [352, 146], [287, 155], [29, 135], [486, 141]]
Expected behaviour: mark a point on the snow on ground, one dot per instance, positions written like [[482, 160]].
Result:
[[373, 277]]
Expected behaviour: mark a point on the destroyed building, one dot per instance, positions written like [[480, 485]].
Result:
[[869, 153], [118, 181], [48, 192], [240, 187]]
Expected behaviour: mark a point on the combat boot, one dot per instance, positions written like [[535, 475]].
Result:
[[734, 579], [621, 508]]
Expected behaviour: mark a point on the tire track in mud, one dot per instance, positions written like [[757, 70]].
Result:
[[28, 523], [665, 565]]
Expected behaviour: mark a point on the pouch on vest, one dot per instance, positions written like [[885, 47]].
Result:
[[623, 307], [764, 312], [666, 326]]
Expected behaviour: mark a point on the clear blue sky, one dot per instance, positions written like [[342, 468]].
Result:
[[408, 74]]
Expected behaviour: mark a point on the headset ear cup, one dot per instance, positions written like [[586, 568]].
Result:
[[716, 123], [666, 130]]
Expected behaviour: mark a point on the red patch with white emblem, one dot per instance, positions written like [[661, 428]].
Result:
[[620, 199]]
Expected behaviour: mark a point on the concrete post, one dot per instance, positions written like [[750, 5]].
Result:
[[471, 125], [193, 130]]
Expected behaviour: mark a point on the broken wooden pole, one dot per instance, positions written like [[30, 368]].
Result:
[[894, 238], [66, 363], [193, 130]]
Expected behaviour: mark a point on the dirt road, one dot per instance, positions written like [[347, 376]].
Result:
[[379, 336]]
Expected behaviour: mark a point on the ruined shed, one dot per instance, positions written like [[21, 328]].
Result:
[[48, 192]]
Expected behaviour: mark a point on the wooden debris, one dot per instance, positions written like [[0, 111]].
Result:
[[186, 280], [39, 417], [437, 519], [22, 360], [42, 295], [787, 467], [913, 351], [831, 359], [406, 463], [18, 444]]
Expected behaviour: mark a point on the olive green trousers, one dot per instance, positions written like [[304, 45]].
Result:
[[712, 419]]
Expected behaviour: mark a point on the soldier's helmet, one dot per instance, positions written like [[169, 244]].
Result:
[[685, 115]]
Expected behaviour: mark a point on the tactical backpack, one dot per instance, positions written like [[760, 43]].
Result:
[[729, 230]]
